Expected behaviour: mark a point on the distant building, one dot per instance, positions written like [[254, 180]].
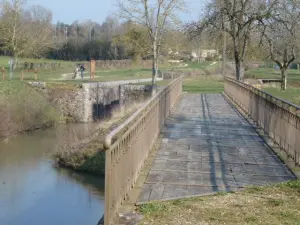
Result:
[[204, 53]]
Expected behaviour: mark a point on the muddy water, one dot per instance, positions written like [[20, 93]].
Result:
[[33, 192]]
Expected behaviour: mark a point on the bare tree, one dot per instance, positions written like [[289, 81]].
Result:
[[25, 32], [12, 28], [239, 19], [153, 15], [39, 31], [280, 35]]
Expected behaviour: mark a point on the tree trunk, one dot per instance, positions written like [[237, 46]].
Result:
[[283, 78], [224, 54], [239, 70], [154, 64]]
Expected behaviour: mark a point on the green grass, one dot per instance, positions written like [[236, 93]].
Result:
[[291, 94], [197, 84], [67, 67], [43, 74], [9, 88], [277, 204], [269, 73], [64, 73], [202, 85]]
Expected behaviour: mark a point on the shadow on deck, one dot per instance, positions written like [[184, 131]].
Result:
[[208, 147]]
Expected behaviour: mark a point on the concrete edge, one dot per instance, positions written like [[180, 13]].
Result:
[[280, 153]]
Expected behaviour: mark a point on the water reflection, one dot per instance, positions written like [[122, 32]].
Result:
[[33, 192]]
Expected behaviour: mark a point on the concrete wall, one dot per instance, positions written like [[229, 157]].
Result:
[[89, 102]]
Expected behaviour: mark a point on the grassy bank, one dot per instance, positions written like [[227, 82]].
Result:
[[22, 108], [279, 204], [84, 151], [88, 159]]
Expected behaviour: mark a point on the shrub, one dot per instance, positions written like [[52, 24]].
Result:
[[22, 108]]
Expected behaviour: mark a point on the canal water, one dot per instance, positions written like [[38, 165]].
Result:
[[33, 192]]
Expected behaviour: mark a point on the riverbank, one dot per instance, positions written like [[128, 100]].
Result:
[[279, 204], [22, 108], [83, 151]]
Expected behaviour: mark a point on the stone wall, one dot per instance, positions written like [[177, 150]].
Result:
[[131, 94], [89, 102]]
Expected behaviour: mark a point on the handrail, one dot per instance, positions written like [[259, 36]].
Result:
[[128, 145], [120, 129], [262, 93], [279, 118]]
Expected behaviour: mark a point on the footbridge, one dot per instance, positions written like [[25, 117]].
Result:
[[206, 144]]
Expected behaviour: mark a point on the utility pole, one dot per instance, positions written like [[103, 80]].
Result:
[[224, 54]]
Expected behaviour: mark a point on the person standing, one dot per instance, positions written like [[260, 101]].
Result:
[[82, 69]]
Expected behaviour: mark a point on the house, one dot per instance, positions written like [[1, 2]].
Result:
[[203, 54]]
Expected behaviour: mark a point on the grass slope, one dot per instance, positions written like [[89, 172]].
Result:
[[279, 204]]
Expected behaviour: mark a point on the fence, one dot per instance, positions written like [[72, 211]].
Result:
[[128, 145], [279, 119]]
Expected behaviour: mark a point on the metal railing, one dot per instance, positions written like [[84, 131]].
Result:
[[279, 119], [128, 146]]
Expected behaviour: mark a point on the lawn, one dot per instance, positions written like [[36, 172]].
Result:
[[43, 74], [269, 73], [12, 87], [198, 84], [279, 204], [66, 70], [203, 85], [192, 84], [291, 94]]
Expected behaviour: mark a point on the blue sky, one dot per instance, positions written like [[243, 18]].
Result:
[[68, 11]]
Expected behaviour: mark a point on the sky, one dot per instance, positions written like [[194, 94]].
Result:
[[67, 11]]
